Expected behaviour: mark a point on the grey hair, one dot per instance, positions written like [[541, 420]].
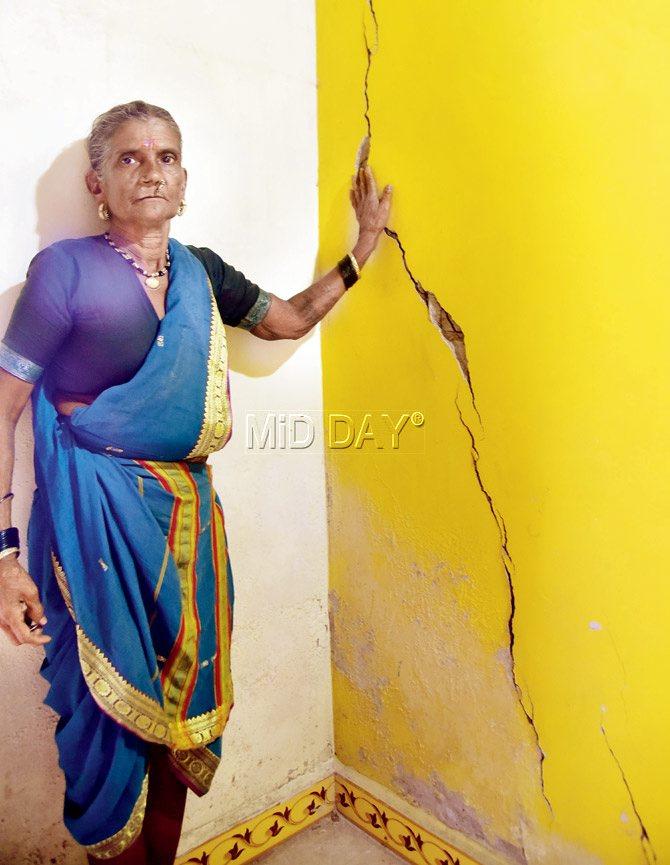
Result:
[[106, 125]]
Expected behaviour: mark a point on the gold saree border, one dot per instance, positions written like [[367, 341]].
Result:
[[180, 672], [140, 713], [223, 681], [130, 707], [121, 840], [117, 697], [198, 766], [217, 420], [61, 579]]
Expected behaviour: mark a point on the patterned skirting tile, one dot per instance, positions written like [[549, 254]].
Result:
[[261, 833]]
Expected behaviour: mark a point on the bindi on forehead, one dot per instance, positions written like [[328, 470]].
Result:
[[151, 143]]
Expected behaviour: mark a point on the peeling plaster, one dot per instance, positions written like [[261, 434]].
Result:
[[455, 338], [645, 841], [357, 668], [450, 332], [453, 810], [478, 726], [366, 757]]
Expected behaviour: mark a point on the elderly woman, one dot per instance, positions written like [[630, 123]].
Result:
[[119, 340]]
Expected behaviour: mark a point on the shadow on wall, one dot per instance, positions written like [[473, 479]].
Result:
[[65, 208]]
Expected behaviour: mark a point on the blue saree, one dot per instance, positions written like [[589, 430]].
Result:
[[127, 544]]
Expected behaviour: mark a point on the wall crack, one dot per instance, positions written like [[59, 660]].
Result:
[[453, 335], [508, 567], [645, 841]]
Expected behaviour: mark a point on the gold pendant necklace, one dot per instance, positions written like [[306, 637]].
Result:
[[152, 280]]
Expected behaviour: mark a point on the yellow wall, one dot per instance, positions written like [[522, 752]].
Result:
[[528, 144]]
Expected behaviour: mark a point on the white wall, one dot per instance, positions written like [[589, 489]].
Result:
[[240, 80]]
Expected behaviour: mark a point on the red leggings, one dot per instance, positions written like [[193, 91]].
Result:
[[166, 798]]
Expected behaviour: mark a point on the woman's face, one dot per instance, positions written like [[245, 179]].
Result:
[[142, 179]]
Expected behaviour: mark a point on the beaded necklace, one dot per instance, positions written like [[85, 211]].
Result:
[[152, 280]]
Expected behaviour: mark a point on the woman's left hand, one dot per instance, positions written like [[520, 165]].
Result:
[[372, 211]]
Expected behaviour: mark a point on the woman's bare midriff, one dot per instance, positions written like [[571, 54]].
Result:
[[66, 405]]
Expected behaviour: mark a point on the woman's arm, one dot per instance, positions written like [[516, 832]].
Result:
[[16, 585], [293, 318]]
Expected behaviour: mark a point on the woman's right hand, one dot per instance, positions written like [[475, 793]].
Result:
[[372, 211], [19, 596]]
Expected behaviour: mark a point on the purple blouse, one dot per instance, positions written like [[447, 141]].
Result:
[[84, 317]]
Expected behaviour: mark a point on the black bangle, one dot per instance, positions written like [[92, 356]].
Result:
[[347, 271], [9, 538]]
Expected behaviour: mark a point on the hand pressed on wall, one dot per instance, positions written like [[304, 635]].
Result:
[[372, 210]]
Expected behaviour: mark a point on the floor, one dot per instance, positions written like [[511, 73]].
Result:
[[330, 842]]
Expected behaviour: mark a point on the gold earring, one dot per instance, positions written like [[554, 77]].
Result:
[[181, 208], [103, 211]]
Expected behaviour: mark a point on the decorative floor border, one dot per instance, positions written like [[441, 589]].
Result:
[[246, 841], [256, 835], [393, 829]]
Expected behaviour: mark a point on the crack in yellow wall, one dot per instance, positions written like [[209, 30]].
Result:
[[528, 151]]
